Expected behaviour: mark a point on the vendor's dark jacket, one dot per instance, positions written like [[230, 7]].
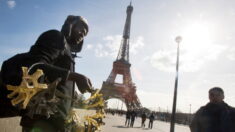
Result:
[[50, 55]]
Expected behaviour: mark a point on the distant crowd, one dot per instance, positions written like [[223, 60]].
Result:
[[181, 118], [131, 115]]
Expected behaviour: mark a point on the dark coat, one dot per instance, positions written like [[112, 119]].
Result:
[[128, 114], [151, 118], [212, 118], [47, 53], [133, 115], [143, 116]]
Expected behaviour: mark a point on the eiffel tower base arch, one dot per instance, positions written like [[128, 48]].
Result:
[[118, 91]]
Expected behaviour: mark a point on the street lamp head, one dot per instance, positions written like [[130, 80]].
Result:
[[178, 39]]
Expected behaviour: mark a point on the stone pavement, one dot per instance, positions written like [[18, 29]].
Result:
[[12, 124], [113, 124], [116, 124]]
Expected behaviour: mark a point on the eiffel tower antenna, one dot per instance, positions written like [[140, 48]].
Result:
[[123, 53]]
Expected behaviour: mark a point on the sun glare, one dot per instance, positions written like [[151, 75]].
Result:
[[197, 39], [197, 36], [197, 45]]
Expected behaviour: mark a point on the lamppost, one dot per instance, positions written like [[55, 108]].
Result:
[[190, 108], [117, 104], [178, 39], [122, 105], [189, 117]]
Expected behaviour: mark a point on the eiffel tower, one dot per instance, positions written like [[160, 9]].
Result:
[[125, 91]]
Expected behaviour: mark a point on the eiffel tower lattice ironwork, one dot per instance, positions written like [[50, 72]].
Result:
[[125, 91]]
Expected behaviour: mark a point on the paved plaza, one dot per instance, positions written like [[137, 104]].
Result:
[[116, 124], [113, 124]]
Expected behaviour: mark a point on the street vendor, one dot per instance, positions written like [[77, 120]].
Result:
[[53, 54]]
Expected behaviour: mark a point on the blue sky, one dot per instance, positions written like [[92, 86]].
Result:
[[207, 50]]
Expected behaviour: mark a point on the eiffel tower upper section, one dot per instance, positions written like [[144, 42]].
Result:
[[123, 54]]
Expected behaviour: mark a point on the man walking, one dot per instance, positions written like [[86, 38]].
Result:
[[128, 116], [143, 118], [133, 116], [151, 119]]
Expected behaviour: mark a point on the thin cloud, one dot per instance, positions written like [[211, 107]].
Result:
[[162, 99], [110, 45], [163, 60], [190, 60], [89, 46], [11, 4], [36, 7], [136, 45], [231, 54]]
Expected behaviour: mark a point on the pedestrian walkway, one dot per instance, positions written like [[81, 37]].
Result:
[[117, 124], [113, 124]]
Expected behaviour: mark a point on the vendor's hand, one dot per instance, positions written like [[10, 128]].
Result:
[[83, 83]]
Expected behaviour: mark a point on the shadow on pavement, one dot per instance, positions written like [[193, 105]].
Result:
[[146, 128], [130, 127], [120, 126]]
